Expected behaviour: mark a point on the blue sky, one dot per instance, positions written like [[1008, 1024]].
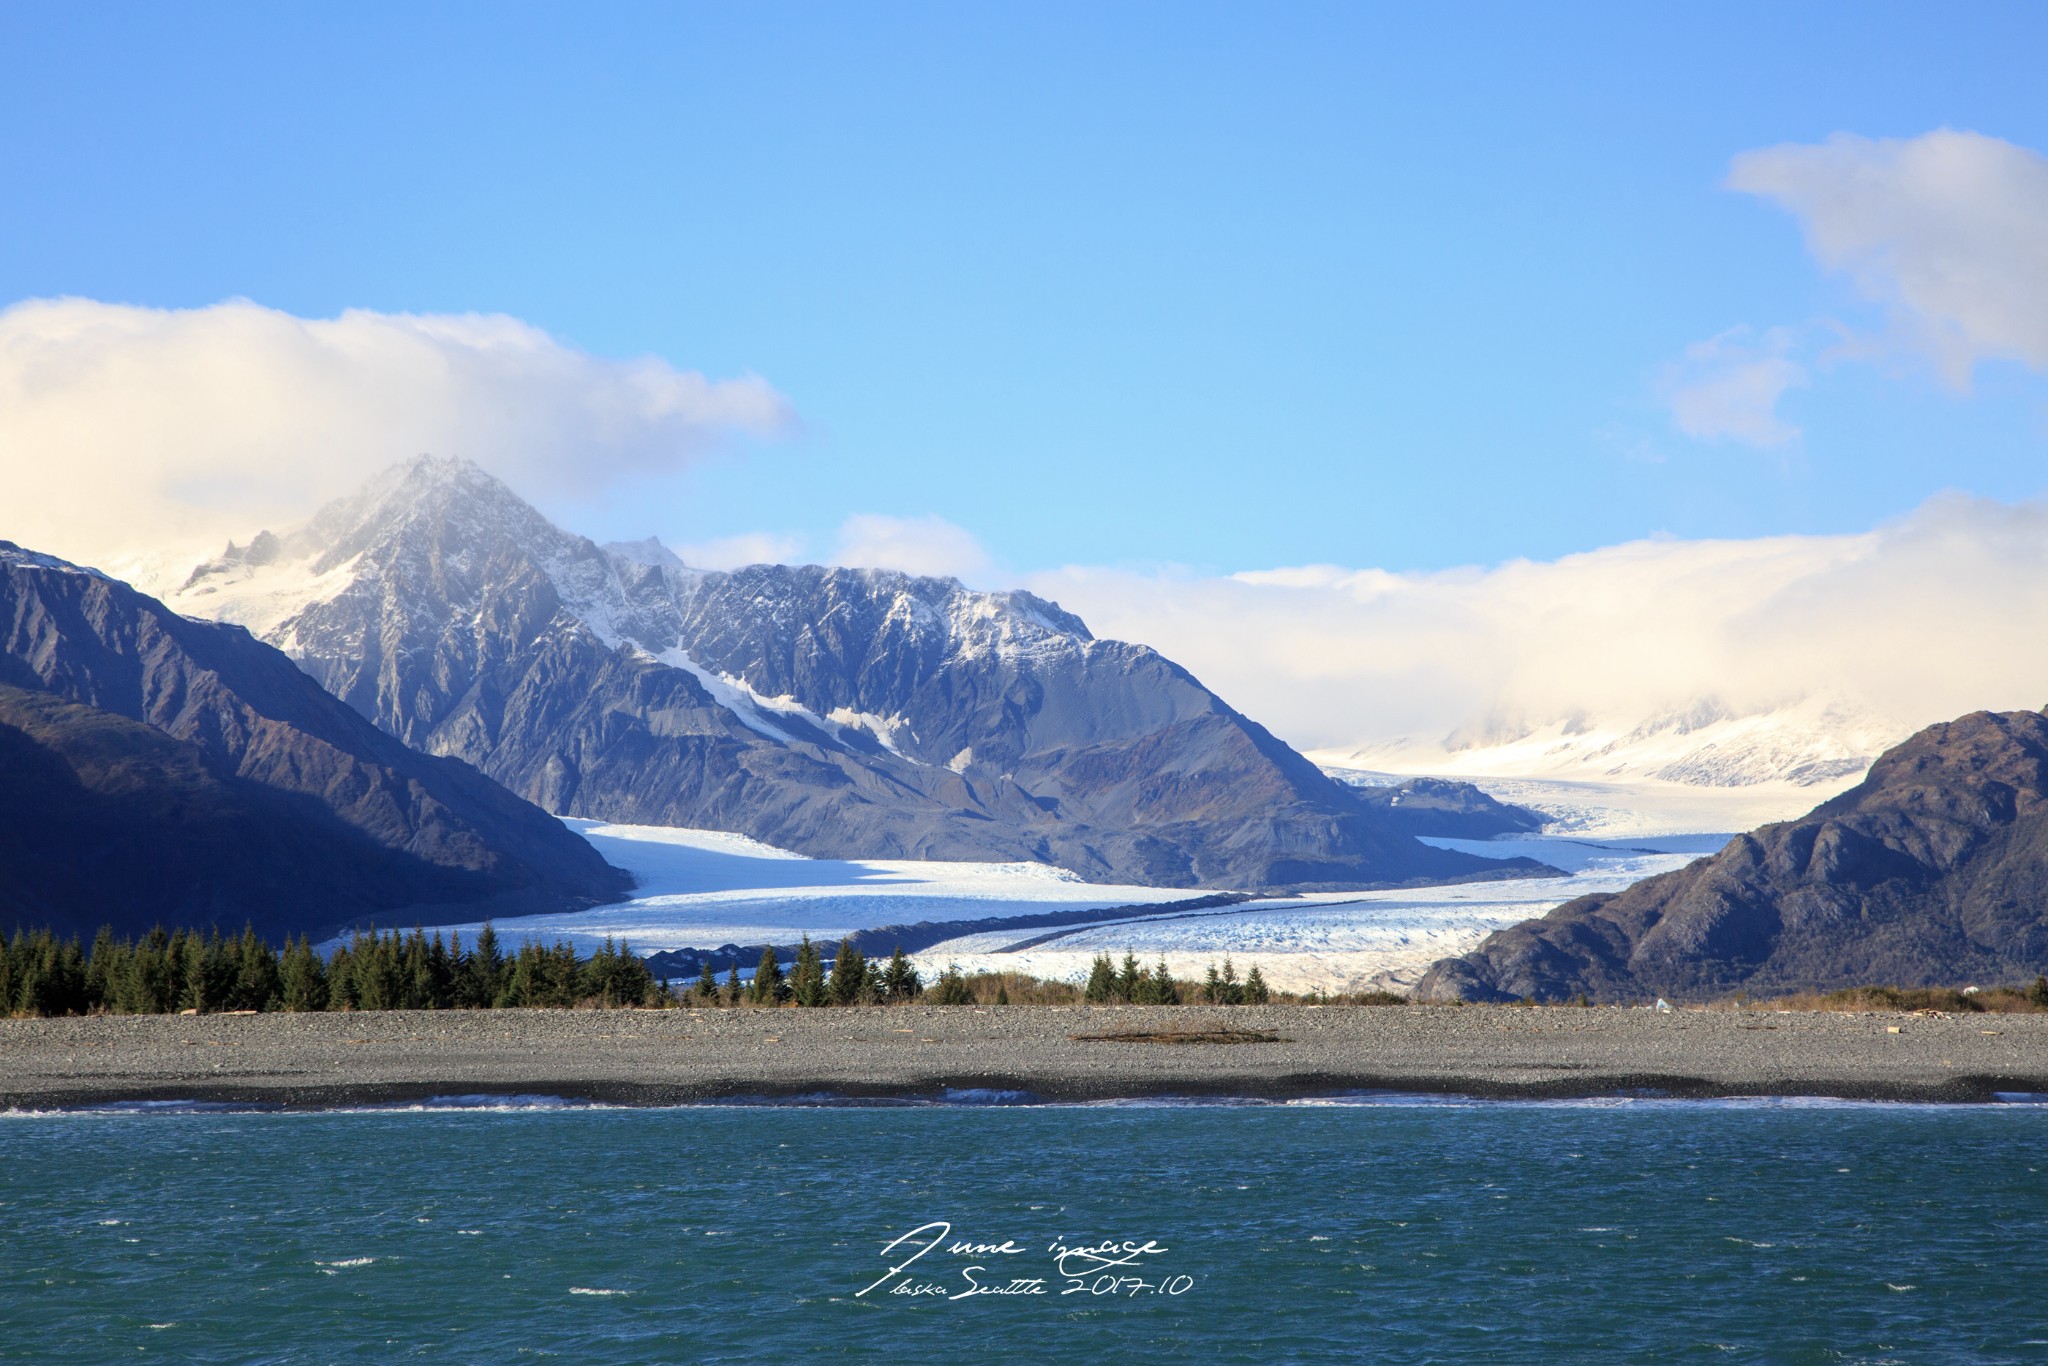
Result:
[[1223, 286]]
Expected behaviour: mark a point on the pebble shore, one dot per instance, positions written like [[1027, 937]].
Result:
[[678, 1056]]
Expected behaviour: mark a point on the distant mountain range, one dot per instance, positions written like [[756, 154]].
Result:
[[162, 770], [1817, 743], [1933, 870], [834, 712]]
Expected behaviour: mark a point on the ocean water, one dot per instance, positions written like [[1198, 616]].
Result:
[[1373, 1230]]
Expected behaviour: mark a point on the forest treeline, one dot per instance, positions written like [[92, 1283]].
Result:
[[170, 972], [1155, 986], [179, 971]]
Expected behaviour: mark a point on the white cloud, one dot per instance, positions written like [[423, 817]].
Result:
[[1948, 230], [1728, 387], [125, 427], [749, 547], [918, 545], [1923, 619]]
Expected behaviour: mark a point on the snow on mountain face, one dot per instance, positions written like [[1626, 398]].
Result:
[[1815, 743], [831, 711], [227, 778], [1701, 766], [22, 557], [425, 546]]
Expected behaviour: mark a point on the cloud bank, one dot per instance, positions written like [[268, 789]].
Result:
[[748, 547], [866, 540], [1945, 230], [1927, 618], [1947, 233], [123, 427], [917, 545]]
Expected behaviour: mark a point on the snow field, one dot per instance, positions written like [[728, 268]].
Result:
[[702, 888]]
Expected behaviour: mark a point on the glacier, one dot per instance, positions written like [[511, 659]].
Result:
[[702, 889]]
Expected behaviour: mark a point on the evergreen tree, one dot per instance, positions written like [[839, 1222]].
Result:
[[807, 978], [45, 975], [1101, 981], [98, 968], [732, 983], [482, 971], [768, 988], [521, 984], [256, 985], [444, 969], [1127, 978], [562, 975], [303, 980], [951, 989], [1255, 993], [636, 982], [608, 978], [1233, 993], [899, 981], [849, 984], [379, 971], [1212, 987], [341, 979], [707, 984], [202, 973]]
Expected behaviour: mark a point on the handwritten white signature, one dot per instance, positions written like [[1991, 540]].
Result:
[[1111, 1268]]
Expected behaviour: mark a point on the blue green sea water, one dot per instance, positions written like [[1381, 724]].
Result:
[[1373, 1230]]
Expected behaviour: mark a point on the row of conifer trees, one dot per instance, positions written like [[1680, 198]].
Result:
[[1156, 986], [852, 979], [184, 970], [169, 972]]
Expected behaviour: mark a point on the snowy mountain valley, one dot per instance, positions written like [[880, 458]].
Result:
[[783, 750]]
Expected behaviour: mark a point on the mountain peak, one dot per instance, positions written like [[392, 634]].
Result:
[[158, 765], [447, 503], [13, 554], [427, 490], [647, 551], [833, 711]]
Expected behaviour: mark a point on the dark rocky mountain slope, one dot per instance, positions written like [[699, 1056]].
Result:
[[1449, 808], [1934, 870], [834, 712], [158, 769]]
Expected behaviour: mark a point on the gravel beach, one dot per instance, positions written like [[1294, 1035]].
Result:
[[675, 1056]]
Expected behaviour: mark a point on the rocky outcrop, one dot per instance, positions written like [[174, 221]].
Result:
[[1450, 809], [1934, 870], [834, 712], [162, 769]]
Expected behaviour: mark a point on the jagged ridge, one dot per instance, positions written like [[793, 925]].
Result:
[[835, 712], [167, 769], [1933, 870]]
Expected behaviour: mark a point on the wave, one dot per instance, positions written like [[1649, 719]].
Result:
[[999, 1098]]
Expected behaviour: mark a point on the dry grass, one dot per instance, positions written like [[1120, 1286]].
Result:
[[1021, 989], [1367, 998], [1220, 1034], [1945, 1000]]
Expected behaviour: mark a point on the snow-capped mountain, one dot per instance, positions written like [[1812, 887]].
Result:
[[162, 769], [836, 712], [1806, 749]]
